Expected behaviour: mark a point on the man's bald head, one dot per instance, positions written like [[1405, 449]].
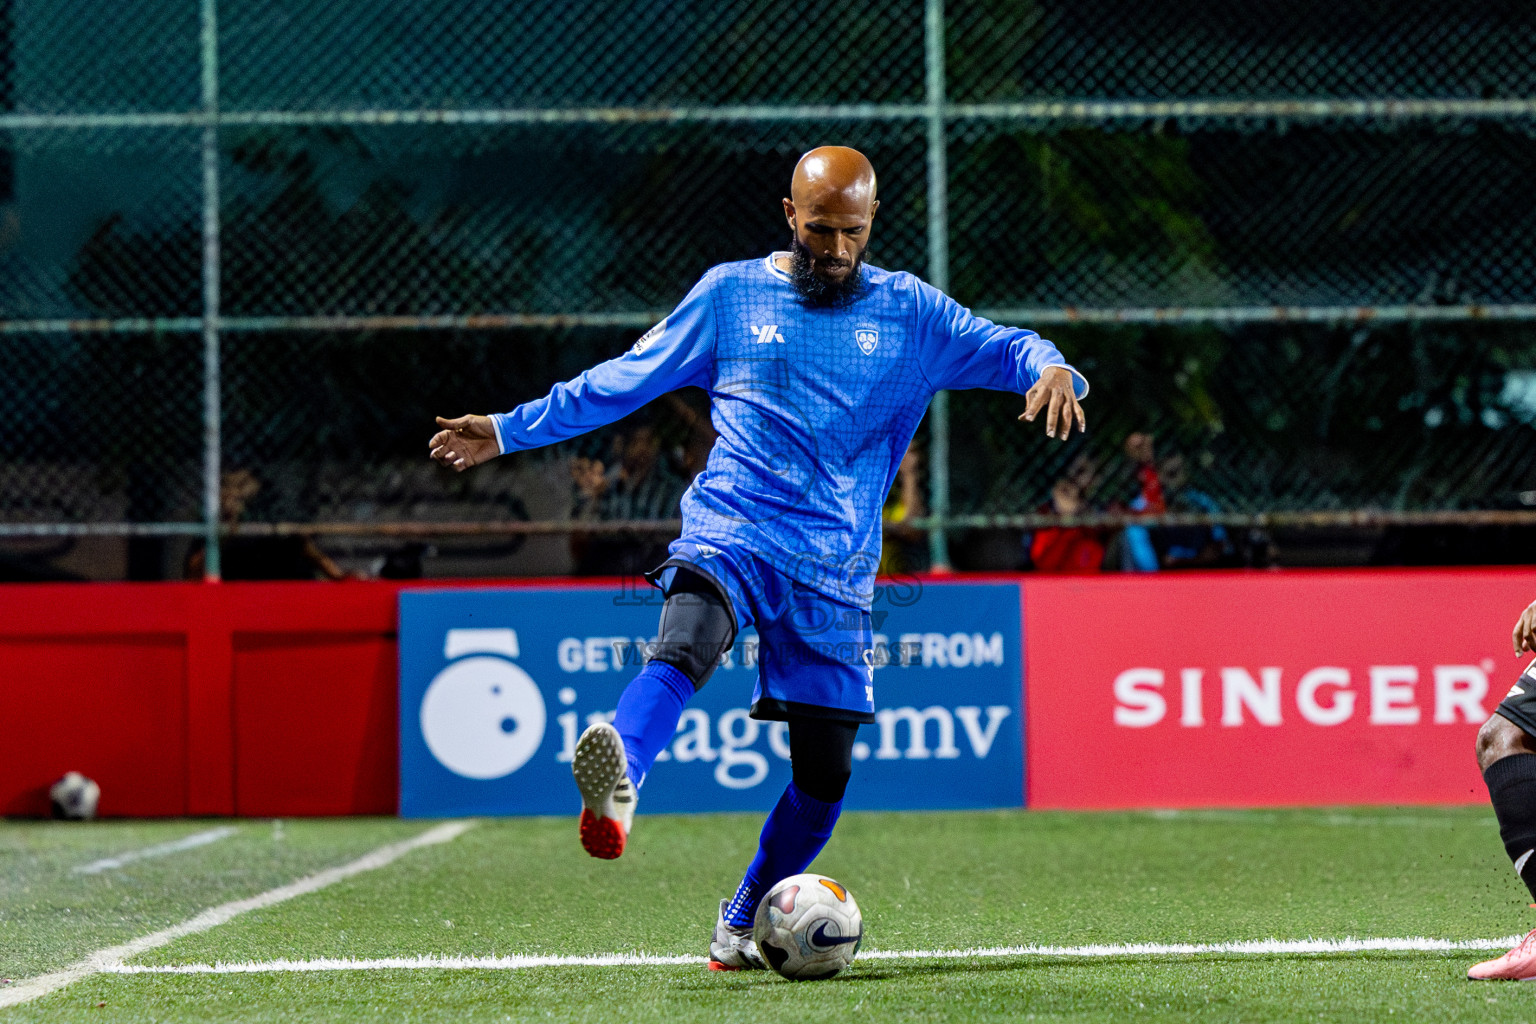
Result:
[[832, 173], [831, 207]]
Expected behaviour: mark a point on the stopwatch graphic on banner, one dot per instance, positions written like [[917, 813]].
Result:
[[482, 716]]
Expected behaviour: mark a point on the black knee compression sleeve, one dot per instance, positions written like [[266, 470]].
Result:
[[696, 627], [821, 756], [1512, 786]]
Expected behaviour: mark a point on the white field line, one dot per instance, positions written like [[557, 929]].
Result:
[[191, 842], [107, 960], [1239, 817], [1261, 947]]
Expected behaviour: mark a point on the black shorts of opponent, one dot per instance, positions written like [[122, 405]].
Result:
[[1519, 705]]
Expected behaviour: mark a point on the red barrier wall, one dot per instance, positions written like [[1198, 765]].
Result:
[[236, 698], [1265, 689], [189, 698]]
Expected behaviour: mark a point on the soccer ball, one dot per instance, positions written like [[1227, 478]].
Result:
[[808, 927], [74, 797]]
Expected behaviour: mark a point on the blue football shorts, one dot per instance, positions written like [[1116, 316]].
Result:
[[815, 654]]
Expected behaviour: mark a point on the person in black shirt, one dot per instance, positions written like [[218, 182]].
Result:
[[259, 558], [640, 484]]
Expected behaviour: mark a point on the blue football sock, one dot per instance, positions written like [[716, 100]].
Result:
[[796, 830], [648, 712]]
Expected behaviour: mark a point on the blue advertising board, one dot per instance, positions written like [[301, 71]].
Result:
[[496, 684]]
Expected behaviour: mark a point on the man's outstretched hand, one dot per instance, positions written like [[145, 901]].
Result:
[[464, 442], [1054, 393], [1525, 631]]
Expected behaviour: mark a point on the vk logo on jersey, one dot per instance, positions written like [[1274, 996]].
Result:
[[496, 685], [767, 333], [867, 339]]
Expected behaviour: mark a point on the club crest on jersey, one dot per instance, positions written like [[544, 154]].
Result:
[[867, 339], [766, 333]]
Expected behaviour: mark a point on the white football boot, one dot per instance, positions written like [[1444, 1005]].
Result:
[[732, 949], [607, 796]]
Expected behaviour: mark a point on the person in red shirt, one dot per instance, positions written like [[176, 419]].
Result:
[[1067, 549], [1150, 500]]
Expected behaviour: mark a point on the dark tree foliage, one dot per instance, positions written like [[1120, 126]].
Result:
[[402, 220]]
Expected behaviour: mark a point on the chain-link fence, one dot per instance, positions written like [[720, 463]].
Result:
[[1293, 242]]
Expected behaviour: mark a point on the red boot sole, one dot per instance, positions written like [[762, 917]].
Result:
[[601, 837]]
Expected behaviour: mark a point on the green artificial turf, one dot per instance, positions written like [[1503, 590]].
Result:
[[50, 916], [924, 881], [1393, 988]]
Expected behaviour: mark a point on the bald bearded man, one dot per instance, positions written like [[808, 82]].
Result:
[[819, 368]]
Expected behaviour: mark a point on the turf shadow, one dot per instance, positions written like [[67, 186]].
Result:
[[1003, 964], [920, 968]]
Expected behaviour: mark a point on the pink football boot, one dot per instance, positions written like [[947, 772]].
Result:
[[1519, 964]]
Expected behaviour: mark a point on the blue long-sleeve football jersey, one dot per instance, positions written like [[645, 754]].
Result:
[[814, 407]]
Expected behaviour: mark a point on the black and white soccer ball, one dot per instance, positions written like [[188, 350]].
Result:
[[74, 797], [808, 927]]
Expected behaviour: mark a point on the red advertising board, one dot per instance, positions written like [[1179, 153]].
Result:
[[1172, 690], [1265, 689]]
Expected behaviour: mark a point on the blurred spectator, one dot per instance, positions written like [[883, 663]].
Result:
[[1136, 550], [259, 558], [1067, 549], [905, 547], [692, 456], [638, 485], [1140, 449], [30, 560], [1191, 547], [404, 562], [1084, 472]]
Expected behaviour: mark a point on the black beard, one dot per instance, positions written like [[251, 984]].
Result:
[[815, 290]]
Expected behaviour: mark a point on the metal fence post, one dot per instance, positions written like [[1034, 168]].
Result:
[[938, 272], [212, 441]]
